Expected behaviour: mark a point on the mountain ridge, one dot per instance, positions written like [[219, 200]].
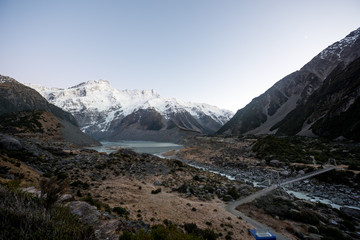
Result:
[[24, 111]]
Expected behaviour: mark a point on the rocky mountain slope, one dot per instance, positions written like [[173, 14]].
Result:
[[25, 111], [280, 110], [107, 113]]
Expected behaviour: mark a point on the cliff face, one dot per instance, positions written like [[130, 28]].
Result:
[[280, 110]]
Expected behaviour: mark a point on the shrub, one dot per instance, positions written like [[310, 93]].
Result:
[[331, 233], [160, 232], [305, 217], [156, 191], [192, 228], [80, 184], [121, 211], [51, 190], [97, 203], [24, 216], [233, 193]]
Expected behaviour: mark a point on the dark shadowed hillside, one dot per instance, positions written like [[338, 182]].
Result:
[[311, 101]]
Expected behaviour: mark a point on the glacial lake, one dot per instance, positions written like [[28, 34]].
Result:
[[150, 147]]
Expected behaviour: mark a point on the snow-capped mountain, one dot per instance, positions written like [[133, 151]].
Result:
[[108, 113], [308, 101]]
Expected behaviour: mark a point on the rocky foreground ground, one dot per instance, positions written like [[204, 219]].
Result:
[[126, 191]]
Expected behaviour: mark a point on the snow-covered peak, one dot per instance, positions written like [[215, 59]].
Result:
[[337, 48], [100, 96]]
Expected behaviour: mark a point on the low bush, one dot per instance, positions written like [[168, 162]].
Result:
[[80, 184], [97, 203], [156, 191], [330, 233], [121, 211], [161, 232], [24, 216], [51, 190], [192, 228], [233, 193]]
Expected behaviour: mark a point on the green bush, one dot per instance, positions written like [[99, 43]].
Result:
[[121, 211]]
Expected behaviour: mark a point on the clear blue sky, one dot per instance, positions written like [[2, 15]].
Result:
[[219, 52]]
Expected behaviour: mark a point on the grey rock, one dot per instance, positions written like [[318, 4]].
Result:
[[285, 173], [33, 191], [275, 163], [87, 213], [301, 172], [9, 143], [66, 198], [333, 222], [351, 212], [313, 236]]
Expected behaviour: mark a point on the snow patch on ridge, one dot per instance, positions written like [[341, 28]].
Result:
[[337, 48]]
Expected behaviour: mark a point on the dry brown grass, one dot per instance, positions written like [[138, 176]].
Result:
[[155, 208]]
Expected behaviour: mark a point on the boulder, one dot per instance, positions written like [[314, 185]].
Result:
[[301, 172], [33, 191], [275, 163], [87, 213], [285, 173], [9, 143], [351, 212], [66, 198]]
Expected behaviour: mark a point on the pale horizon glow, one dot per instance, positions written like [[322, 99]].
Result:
[[223, 53]]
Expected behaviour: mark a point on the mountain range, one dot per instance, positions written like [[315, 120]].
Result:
[[321, 99], [107, 113]]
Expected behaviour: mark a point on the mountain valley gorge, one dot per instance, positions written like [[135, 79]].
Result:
[[287, 162]]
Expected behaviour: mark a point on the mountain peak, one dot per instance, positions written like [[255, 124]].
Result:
[[92, 83]]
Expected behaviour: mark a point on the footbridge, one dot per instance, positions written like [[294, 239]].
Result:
[[305, 176]]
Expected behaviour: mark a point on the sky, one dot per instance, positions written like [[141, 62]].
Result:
[[220, 52]]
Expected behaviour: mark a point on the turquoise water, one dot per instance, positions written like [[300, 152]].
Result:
[[155, 148]]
